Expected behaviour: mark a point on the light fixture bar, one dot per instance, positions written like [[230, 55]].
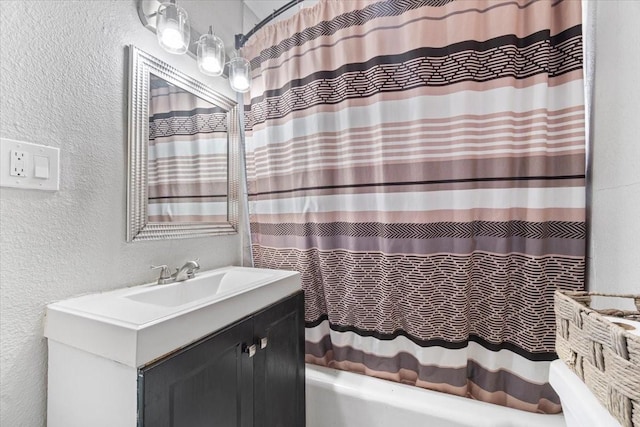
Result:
[[209, 48], [147, 10]]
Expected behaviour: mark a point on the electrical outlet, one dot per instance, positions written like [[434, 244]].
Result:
[[29, 166], [18, 163]]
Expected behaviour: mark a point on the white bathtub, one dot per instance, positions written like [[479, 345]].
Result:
[[344, 399]]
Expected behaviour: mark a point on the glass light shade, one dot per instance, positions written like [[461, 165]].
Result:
[[210, 55], [239, 75], [172, 28]]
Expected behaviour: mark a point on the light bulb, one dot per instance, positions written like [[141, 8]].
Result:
[[171, 36], [211, 64], [240, 83], [239, 74], [172, 28], [211, 56]]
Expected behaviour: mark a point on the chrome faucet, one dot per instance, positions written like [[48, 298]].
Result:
[[165, 274], [187, 271]]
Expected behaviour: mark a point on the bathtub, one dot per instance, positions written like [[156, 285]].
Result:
[[344, 399]]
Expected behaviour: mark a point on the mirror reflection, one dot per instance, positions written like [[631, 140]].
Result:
[[187, 158], [184, 137]]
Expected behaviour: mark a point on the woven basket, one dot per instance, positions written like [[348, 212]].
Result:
[[604, 355]]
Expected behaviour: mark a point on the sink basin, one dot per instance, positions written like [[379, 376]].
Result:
[[199, 288], [135, 326]]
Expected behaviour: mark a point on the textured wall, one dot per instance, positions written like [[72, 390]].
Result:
[[615, 228], [64, 84]]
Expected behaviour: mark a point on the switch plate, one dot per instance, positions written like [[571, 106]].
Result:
[[29, 166]]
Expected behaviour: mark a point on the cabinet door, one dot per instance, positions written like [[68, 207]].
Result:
[[204, 385], [279, 367]]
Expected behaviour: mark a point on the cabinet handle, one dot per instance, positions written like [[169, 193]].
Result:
[[250, 349], [263, 342]]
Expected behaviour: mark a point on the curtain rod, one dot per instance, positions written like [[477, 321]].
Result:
[[241, 39]]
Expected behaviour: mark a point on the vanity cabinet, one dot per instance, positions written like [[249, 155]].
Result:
[[223, 349], [249, 374]]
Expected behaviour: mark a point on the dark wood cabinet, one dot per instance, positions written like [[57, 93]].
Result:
[[278, 370], [250, 374]]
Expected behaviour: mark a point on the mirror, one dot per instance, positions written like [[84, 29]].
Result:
[[183, 155]]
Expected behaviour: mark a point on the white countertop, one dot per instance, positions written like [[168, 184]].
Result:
[[116, 326]]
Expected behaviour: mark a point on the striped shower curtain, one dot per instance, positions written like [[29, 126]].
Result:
[[187, 167], [421, 164]]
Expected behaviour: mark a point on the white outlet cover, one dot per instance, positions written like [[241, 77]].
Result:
[[17, 164], [31, 151]]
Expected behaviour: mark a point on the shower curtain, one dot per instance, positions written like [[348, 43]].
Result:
[[421, 164], [187, 172]]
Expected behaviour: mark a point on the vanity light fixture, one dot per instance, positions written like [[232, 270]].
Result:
[[240, 74], [211, 56], [174, 35], [172, 28]]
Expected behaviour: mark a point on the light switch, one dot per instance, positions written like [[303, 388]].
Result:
[[41, 167]]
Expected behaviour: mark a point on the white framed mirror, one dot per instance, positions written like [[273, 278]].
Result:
[[183, 139]]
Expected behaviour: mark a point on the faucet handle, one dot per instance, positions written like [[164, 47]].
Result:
[[165, 274]]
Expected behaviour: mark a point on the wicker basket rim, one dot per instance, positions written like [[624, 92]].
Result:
[[595, 315], [599, 294]]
